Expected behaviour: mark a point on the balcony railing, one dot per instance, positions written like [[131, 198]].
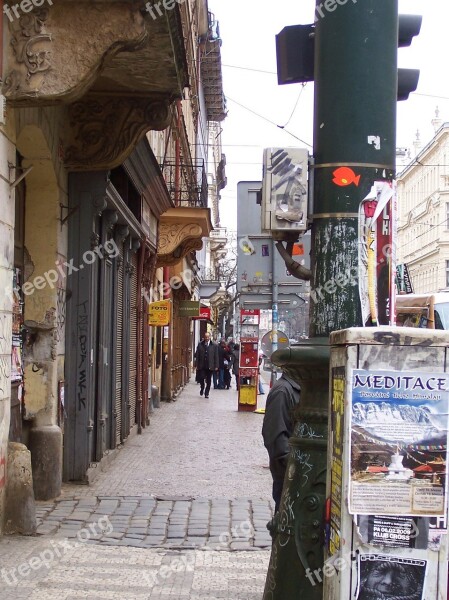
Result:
[[186, 183]]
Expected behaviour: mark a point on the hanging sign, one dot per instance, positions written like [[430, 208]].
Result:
[[204, 314], [189, 308], [159, 313]]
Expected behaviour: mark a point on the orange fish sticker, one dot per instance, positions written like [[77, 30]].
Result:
[[345, 176]]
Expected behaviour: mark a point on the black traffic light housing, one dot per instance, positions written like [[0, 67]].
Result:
[[409, 27], [295, 52]]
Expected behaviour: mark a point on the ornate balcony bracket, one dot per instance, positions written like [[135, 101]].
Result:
[[103, 131], [181, 231]]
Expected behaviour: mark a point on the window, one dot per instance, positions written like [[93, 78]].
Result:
[[447, 273], [447, 215]]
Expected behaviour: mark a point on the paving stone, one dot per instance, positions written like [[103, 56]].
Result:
[[185, 490]]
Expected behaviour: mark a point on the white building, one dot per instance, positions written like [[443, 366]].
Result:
[[423, 224]]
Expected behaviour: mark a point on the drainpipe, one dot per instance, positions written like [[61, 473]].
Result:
[[178, 154], [166, 354], [1, 39], [139, 337]]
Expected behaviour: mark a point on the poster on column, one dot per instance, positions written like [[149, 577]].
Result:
[[336, 443], [399, 434], [386, 577], [377, 258]]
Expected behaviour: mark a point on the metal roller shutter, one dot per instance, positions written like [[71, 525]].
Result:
[[119, 348], [133, 344]]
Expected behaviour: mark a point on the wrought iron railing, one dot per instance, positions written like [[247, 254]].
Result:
[[186, 182]]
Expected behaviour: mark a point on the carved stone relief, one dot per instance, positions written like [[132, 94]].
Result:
[[103, 131], [31, 44], [176, 240]]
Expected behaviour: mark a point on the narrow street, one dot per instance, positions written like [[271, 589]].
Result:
[[179, 512]]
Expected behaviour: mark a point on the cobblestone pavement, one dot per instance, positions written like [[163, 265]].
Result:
[[180, 512], [222, 524], [194, 447], [50, 569]]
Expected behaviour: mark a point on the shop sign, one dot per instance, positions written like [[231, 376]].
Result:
[[204, 314], [159, 313], [189, 308]]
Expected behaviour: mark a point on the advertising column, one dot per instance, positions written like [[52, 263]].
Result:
[[386, 531]]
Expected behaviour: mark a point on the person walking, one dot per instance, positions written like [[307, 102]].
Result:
[[235, 364], [227, 362], [259, 378], [221, 359], [278, 427], [206, 362]]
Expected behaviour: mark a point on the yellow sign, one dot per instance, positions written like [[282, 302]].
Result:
[[159, 313]]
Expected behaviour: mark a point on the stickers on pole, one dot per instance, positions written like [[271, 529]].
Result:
[[399, 435], [336, 444], [377, 258]]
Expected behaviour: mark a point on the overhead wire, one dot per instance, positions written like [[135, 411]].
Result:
[[268, 121]]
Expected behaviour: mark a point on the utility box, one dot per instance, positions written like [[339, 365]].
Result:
[[285, 191], [386, 529]]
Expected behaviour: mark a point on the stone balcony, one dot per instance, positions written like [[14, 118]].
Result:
[[112, 68]]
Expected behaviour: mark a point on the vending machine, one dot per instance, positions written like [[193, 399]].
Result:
[[249, 359]]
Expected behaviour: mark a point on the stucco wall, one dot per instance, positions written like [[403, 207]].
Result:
[[7, 155]]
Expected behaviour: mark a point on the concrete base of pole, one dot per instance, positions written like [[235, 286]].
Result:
[[45, 444], [20, 508]]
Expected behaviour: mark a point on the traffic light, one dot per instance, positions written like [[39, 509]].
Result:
[[295, 52], [409, 27]]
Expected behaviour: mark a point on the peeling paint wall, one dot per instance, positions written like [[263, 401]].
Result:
[[7, 216], [38, 141]]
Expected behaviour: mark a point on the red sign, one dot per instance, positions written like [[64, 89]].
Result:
[[204, 314]]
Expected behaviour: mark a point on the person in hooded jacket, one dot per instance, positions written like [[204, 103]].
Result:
[[277, 428]]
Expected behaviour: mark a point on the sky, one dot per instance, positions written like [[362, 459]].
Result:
[[248, 29]]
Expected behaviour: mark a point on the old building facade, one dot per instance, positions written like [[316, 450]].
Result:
[[104, 198], [423, 227]]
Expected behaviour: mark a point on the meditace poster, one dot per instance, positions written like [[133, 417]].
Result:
[[399, 434]]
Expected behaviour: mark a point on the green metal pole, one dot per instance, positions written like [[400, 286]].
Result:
[[354, 127]]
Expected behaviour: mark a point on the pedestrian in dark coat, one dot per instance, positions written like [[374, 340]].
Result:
[[221, 366], [227, 362], [277, 429], [235, 364], [206, 362]]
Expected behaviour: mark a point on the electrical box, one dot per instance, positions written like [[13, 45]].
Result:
[[285, 190]]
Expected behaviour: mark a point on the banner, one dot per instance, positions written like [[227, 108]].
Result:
[[159, 313]]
